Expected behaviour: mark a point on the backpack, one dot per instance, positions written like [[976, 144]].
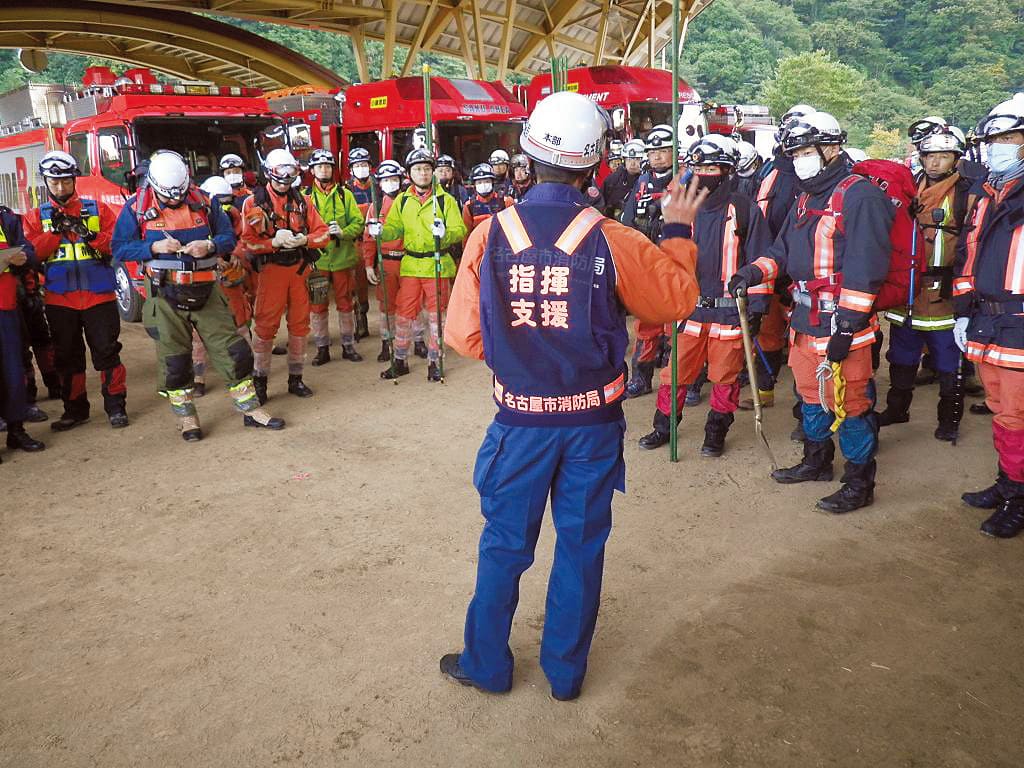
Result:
[[897, 182]]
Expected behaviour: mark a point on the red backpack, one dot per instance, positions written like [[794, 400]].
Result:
[[897, 182]]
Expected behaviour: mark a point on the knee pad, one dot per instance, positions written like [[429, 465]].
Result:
[[179, 371], [241, 354]]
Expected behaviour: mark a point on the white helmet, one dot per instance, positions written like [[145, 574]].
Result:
[[951, 139], [634, 149], [659, 137], [798, 110], [812, 130], [281, 166], [168, 174], [748, 158], [855, 154], [498, 156], [713, 149], [231, 161], [216, 186], [58, 165], [565, 130], [1005, 117]]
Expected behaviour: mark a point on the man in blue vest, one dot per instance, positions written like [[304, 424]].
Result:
[[541, 296]]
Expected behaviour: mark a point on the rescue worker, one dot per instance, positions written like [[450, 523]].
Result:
[[180, 238], [642, 211], [338, 208], [943, 197], [522, 177], [836, 276], [499, 161], [542, 296], [614, 155], [389, 177], [989, 305], [486, 201], [748, 170], [729, 232], [621, 182], [232, 168], [282, 230], [359, 185], [71, 238], [445, 174], [15, 252], [421, 216]]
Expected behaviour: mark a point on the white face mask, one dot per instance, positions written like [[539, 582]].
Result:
[[390, 186], [234, 179], [484, 188], [807, 167], [361, 171], [1001, 157]]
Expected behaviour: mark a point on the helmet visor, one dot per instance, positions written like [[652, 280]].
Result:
[[994, 125]]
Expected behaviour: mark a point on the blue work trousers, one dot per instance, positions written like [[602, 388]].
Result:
[[906, 345], [517, 469]]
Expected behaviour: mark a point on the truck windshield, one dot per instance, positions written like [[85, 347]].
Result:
[[201, 141], [472, 141], [644, 115]]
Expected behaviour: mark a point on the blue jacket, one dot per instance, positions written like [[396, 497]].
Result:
[[129, 243]]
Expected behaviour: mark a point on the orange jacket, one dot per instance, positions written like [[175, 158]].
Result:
[[258, 232]]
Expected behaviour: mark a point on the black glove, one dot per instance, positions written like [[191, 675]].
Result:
[[62, 223], [740, 283], [754, 324], [839, 345]]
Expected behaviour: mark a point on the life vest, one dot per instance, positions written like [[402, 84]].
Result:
[[76, 266], [480, 208]]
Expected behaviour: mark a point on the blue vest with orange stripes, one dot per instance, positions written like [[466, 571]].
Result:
[[482, 207], [554, 332], [76, 266]]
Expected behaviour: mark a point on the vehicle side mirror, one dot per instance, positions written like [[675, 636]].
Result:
[[619, 119], [300, 136]]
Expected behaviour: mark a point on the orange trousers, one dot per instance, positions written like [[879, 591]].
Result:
[[723, 356], [416, 293], [774, 325], [281, 289], [343, 281], [856, 368]]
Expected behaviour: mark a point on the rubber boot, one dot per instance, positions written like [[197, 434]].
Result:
[[297, 387], [385, 351], [949, 409], [767, 397], [899, 396], [660, 435], [1008, 520], [815, 465], [323, 355], [420, 349], [400, 368], [348, 352], [715, 430], [987, 498], [858, 489], [362, 325], [259, 383], [641, 382]]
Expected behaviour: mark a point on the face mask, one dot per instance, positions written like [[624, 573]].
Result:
[[361, 172], [708, 182], [1001, 157], [484, 188], [807, 167], [390, 186], [745, 174], [234, 179]]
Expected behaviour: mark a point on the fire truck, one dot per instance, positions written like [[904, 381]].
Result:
[[471, 118], [112, 123], [751, 122]]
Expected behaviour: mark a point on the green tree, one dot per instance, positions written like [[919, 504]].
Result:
[[816, 79], [887, 143], [964, 96]]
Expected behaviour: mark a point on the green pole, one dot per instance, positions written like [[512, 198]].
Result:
[[673, 432], [429, 138], [376, 203]]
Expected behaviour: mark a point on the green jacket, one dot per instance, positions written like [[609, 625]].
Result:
[[411, 220], [339, 205]]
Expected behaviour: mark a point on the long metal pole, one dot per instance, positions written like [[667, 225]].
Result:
[[673, 433], [429, 138]]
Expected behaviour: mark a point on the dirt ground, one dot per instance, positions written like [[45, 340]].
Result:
[[264, 599]]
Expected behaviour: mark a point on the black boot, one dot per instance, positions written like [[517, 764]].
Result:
[[19, 439], [640, 383], [279, 349], [259, 383], [858, 489], [433, 372], [35, 414], [67, 421], [980, 409], [899, 396], [815, 465], [987, 498], [660, 435], [362, 326], [950, 408], [296, 386], [348, 352], [385, 351], [1008, 520], [400, 368], [797, 435], [420, 349], [199, 389], [323, 355], [715, 430]]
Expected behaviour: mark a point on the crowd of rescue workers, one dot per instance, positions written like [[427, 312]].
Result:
[[821, 241]]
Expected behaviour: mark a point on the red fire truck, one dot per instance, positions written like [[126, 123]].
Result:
[[752, 122], [471, 118], [112, 123]]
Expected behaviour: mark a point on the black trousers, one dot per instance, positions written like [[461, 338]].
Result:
[[12, 375], [101, 326], [35, 337]]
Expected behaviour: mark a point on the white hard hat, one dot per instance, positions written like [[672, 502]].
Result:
[[798, 110], [855, 154], [951, 139], [168, 174], [498, 156], [811, 130], [565, 130], [659, 137], [281, 166], [1005, 117], [748, 156], [216, 185], [634, 148], [231, 160], [713, 149], [58, 165]]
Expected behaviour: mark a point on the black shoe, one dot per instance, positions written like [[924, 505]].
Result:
[[19, 439], [279, 349], [385, 352], [450, 668], [434, 373], [273, 422], [35, 414], [815, 465], [323, 355], [947, 432], [715, 430], [297, 387], [1007, 521], [642, 381], [858, 489], [419, 349], [362, 326], [259, 383], [66, 422], [199, 389], [986, 498], [192, 435], [348, 352], [400, 368], [653, 440], [888, 417], [118, 419], [980, 409]]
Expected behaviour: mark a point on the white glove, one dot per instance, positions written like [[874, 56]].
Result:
[[281, 237], [438, 229], [371, 276], [333, 229], [374, 227], [960, 332], [295, 241]]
